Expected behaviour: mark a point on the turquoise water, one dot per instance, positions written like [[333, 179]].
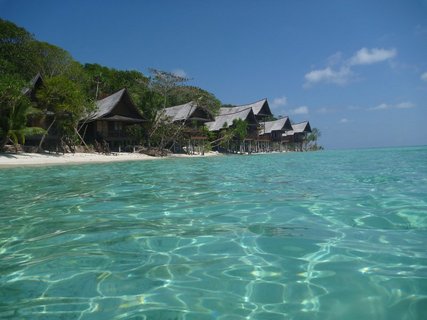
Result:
[[327, 235]]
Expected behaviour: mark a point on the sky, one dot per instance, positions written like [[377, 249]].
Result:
[[357, 70]]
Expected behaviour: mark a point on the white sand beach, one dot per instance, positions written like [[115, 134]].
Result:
[[41, 159]]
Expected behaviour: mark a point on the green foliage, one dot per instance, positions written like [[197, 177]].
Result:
[[239, 129], [311, 140], [65, 100], [164, 82], [136, 132], [50, 60], [15, 50], [184, 94], [104, 81], [15, 107]]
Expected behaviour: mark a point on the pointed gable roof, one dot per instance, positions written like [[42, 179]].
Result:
[[228, 115], [301, 127], [298, 128], [260, 108], [105, 107], [185, 111], [35, 83], [282, 124]]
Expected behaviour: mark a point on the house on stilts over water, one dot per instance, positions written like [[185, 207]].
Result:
[[295, 138]]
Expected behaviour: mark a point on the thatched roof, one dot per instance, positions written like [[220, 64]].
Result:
[[282, 124], [105, 108], [260, 108], [301, 127], [228, 115], [34, 83], [187, 111]]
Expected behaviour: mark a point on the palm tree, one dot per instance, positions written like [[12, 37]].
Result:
[[15, 107]]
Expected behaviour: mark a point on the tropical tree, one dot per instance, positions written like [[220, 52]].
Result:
[[15, 107], [234, 134], [16, 54], [103, 81], [311, 140], [183, 94], [50, 60], [65, 103]]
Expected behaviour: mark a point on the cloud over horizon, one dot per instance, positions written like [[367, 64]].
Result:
[[386, 106], [343, 73]]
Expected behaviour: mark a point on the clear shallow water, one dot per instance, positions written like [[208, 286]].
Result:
[[328, 235]]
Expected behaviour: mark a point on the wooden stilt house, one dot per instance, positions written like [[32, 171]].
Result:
[[189, 118], [294, 139], [226, 118], [109, 122], [273, 132]]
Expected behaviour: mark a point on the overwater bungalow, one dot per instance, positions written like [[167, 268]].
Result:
[[272, 131], [109, 122], [275, 129], [294, 139], [190, 117]]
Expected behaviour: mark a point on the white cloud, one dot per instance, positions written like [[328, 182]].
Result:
[[402, 105], [328, 75], [179, 73], [340, 72], [278, 102], [405, 105], [335, 59], [424, 76], [343, 120], [370, 56], [300, 110], [324, 110]]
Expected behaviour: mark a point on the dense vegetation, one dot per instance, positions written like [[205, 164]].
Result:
[[70, 89]]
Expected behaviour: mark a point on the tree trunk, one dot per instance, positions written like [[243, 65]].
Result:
[[39, 148]]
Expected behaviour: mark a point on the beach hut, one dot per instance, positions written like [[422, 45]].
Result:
[[227, 115], [189, 118], [190, 114], [226, 119], [260, 108], [272, 132], [108, 123], [294, 139], [275, 129]]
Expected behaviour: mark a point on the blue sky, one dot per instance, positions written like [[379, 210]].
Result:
[[357, 70]]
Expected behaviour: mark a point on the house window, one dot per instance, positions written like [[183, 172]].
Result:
[[118, 126]]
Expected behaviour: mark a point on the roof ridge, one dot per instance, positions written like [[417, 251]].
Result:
[[247, 104], [227, 114]]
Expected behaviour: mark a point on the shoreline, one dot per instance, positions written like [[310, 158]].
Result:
[[23, 159]]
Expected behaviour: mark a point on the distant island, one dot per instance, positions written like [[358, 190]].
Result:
[[50, 102]]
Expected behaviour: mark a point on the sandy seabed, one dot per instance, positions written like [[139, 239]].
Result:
[[41, 159]]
